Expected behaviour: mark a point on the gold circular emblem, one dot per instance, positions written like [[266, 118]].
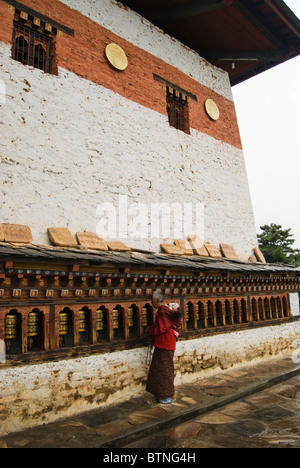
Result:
[[116, 57], [212, 109]]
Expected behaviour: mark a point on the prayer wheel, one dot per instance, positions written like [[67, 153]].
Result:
[[187, 313], [115, 318], [130, 317], [33, 329], [63, 324], [81, 321], [145, 316], [197, 311], [10, 327], [99, 320]]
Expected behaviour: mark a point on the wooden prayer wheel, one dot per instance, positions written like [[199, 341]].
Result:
[[10, 327], [81, 321], [33, 328], [63, 324], [99, 320]]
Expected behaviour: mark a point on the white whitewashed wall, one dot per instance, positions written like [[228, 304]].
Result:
[[69, 145]]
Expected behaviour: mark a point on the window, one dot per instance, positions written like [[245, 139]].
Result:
[[177, 104], [177, 108], [32, 47]]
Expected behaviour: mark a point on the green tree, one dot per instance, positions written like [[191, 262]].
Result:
[[276, 245]]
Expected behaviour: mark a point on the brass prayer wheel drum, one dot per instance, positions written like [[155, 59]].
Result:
[[10, 327], [145, 316], [115, 318], [63, 323], [130, 317], [33, 328], [81, 321], [187, 312], [197, 311], [99, 320]]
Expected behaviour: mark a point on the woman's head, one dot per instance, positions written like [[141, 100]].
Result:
[[157, 298]]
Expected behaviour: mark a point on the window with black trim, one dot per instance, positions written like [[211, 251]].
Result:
[[33, 43]]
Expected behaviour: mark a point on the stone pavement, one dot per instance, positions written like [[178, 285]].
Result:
[[268, 419], [224, 410]]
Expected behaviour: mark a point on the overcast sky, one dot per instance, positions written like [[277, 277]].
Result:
[[268, 109]]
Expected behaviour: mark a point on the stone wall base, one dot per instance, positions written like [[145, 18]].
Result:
[[39, 394]]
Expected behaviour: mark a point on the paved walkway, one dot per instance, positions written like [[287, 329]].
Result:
[[136, 423], [268, 419]]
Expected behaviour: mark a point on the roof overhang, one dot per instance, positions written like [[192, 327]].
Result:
[[243, 37], [38, 255]]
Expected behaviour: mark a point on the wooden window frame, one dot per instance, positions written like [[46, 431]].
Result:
[[30, 55], [178, 110]]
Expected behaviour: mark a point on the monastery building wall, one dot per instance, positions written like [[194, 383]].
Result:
[[86, 138], [88, 134]]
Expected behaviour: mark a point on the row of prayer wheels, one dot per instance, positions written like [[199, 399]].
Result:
[[130, 317], [11, 322], [187, 312], [11, 326], [82, 322]]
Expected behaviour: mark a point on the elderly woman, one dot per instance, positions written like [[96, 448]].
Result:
[[163, 334]]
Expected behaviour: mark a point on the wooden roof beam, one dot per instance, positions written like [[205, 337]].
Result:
[[193, 8], [289, 23], [247, 55], [259, 22]]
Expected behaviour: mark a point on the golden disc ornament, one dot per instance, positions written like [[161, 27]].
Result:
[[212, 109], [116, 57]]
